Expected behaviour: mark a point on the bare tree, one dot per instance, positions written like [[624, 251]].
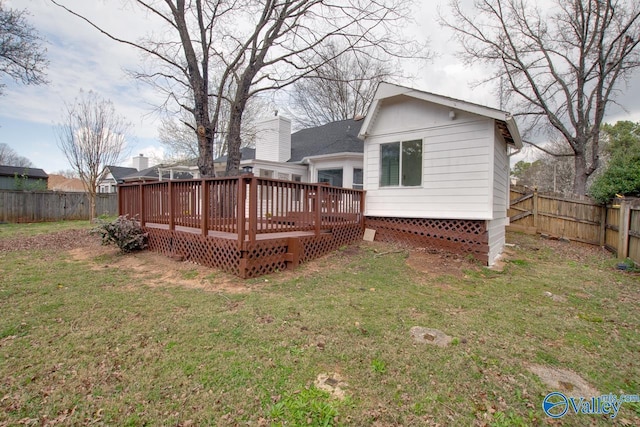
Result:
[[253, 46], [177, 135], [341, 88], [8, 157], [22, 54], [559, 67], [91, 136]]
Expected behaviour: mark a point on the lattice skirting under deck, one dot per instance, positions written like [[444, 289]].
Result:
[[453, 235], [254, 259]]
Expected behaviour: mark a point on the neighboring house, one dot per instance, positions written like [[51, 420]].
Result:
[[113, 176], [20, 178], [437, 171]]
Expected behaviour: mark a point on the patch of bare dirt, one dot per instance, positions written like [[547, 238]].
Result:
[[564, 380], [571, 250], [61, 240], [439, 263], [157, 270], [147, 268]]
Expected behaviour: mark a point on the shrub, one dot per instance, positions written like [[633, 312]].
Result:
[[124, 232]]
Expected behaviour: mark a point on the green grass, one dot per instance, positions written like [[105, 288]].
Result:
[[80, 344], [10, 230]]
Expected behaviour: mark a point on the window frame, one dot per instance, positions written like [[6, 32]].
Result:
[[400, 163], [332, 169]]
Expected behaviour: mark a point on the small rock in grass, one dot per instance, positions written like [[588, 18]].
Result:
[[430, 336]]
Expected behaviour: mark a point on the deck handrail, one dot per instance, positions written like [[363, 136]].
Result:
[[245, 205]]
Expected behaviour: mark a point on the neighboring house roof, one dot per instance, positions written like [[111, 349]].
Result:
[[504, 121], [331, 138], [16, 170], [62, 183], [246, 153], [119, 172]]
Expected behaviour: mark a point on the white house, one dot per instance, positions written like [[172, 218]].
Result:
[[114, 175], [329, 153], [436, 171]]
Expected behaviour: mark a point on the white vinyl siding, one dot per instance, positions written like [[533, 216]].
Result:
[[456, 173]]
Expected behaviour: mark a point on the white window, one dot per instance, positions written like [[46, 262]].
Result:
[[401, 164], [332, 176], [357, 179]]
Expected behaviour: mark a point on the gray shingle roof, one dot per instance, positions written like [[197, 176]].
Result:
[[30, 172], [334, 137], [246, 153], [119, 172]]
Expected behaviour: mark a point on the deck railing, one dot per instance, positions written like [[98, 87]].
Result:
[[246, 206]]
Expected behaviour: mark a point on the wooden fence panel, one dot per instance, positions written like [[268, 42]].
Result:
[[43, 206], [521, 210], [572, 219], [634, 235], [611, 238]]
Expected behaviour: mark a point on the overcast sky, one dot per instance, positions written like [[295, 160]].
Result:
[[81, 58]]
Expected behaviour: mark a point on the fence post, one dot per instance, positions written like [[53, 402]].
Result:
[[204, 209], [535, 210], [172, 207], [603, 225], [623, 229]]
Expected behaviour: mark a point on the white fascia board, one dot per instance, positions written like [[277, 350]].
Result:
[[515, 133], [334, 156]]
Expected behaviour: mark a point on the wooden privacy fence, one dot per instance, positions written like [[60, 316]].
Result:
[[42, 206], [616, 227]]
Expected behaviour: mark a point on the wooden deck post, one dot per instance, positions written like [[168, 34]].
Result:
[[172, 207], [362, 201], [142, 221], [204, 209], [240, 211], [119, 190], [318, 209], [253, 208]]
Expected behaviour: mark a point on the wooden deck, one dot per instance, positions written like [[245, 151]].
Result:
[[245, 225], [234, 236]]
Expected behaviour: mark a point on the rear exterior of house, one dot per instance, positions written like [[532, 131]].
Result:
[[437, 171]]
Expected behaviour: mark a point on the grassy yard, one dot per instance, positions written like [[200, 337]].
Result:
[[105, 338]]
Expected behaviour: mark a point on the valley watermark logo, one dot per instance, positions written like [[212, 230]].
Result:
[[556, 404]]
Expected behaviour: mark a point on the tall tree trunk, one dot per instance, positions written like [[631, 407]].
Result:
[[234, 141], [234, 137], [580, 178], [92, 205], [205, 150]]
